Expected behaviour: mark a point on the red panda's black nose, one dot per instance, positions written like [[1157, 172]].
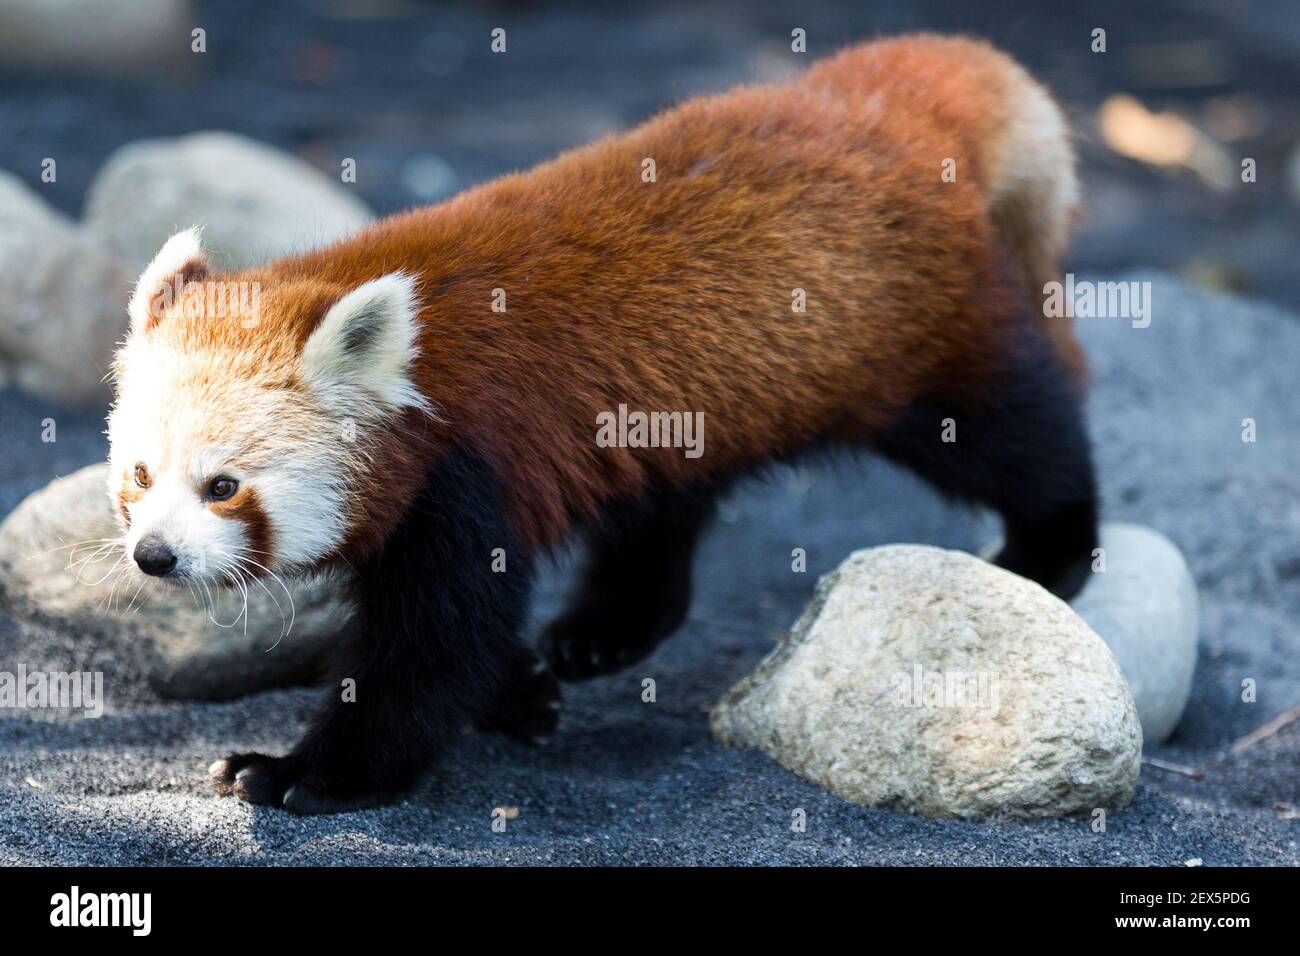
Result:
[[153, 556]]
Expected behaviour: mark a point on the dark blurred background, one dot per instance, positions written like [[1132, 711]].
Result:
[[1185, 91]]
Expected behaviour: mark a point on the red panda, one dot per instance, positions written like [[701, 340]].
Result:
[[854, 257]]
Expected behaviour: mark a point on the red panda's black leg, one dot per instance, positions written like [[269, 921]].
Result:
[[1022, 450], [635, 589], [435, 645]]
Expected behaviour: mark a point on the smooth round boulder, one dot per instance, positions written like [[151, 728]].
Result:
[[1144, 606], [63, 300], [930, 681], [254, 203]]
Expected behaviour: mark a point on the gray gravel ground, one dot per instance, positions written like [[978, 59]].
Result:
[[630, 782]]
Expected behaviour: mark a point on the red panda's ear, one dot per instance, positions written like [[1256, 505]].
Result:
[[358, 359], [180, 260]]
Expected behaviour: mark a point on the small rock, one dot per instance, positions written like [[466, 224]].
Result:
[[931, 681], [254, 202], [166, 638], [1144, 606], [62, 300]]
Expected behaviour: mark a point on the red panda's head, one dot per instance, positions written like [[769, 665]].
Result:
[[243, 406]]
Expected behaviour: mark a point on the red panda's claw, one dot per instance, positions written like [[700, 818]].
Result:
[[528, 708]]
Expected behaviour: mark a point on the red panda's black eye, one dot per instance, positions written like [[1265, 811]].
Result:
[[222, 488], [142, 476]]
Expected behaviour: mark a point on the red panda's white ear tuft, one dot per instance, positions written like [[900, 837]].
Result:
[[358, 359], [180, 260]]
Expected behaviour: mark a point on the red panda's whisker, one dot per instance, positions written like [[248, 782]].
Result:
[[112, 591], [230, 573], [233, 575], [228, 568], [140, 587], [116, 565], [207, 599], [284, 629], [293, 612], [98, 544], [103, 551], [189, 586]]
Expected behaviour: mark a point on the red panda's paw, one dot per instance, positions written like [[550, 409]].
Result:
[[528, 706], [253, 777], [592, 641], [279, 782]]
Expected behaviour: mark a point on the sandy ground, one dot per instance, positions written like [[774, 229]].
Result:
[[630, 782]]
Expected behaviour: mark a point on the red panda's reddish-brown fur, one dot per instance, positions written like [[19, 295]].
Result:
[[677, 294]]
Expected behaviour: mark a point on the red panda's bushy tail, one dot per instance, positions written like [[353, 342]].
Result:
[[979, 102]]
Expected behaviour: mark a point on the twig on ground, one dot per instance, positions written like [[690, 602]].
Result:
[[1174, 768], [1268, 730]]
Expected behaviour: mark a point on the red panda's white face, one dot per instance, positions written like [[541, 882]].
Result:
[[235, 439]]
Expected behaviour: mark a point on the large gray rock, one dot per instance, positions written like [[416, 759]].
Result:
[[1144, 606], [254, 202], [62, 300], [931, 681], [135, 628]]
